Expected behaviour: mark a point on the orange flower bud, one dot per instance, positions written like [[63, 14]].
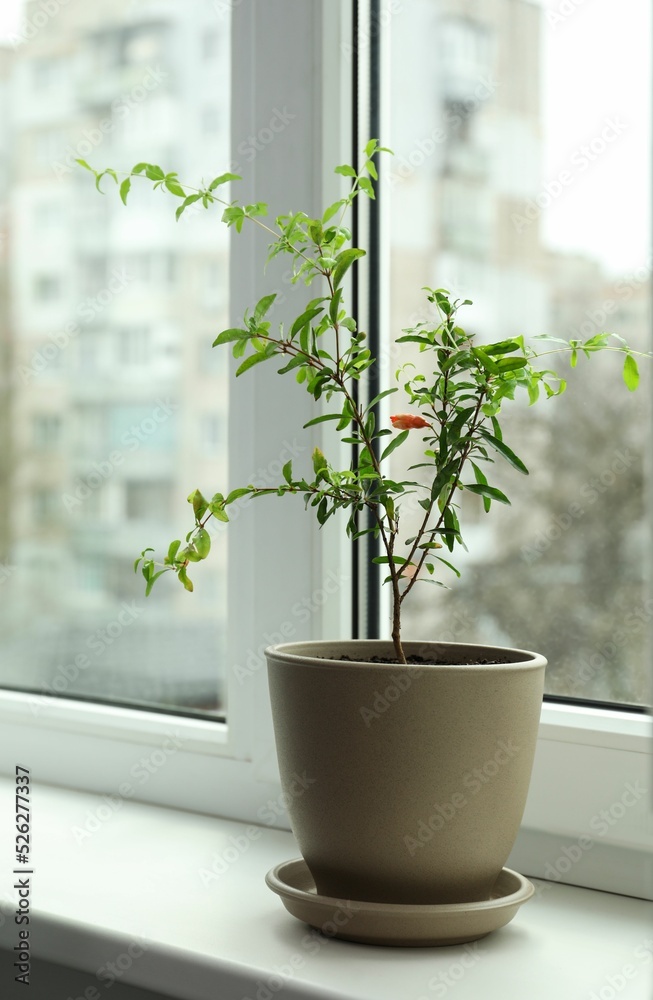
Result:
[[408, 422]]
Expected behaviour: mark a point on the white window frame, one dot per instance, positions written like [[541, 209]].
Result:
[[586, 757]]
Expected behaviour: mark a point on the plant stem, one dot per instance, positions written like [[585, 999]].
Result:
[[431, 531]]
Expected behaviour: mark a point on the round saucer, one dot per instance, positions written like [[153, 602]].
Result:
[[401, 924]]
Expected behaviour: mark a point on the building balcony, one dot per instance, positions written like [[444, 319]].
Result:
[[130, 84]]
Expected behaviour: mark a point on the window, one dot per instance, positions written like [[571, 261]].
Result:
[[213, 428], [48, 215], [510, 180], [91, 575], [586, 756], [141, 44], [47, 145], [134, 346], [46, 430], [46, 507], [47, 288], [46, 74], [90, 350], [136, 428], [93, 273], [213, 281], [465, 44], [145, 500], [118, 341]]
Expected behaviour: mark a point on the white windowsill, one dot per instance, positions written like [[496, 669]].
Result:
[[138, 877]]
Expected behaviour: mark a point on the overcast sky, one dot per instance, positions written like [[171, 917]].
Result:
[[9, 16], [597, 68]]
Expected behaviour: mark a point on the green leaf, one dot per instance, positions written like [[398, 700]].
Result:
[[223, 179], [345, 260], [480, 478], [377, 399], [137, 563], [173, 186], [491, 492], [451, 530], [200, 504], [504, 347], [414, 339], [511, 364], [331, 210], [152, 580], [450, 565], [184, 579], [365, 184], [203, 543], [443, 479], [234, 215], [551, 340], [322, 510], [173, 549], [486, 362], [218, 511], [259, 208], [227, 336], [190, 200], [236, 494], [84, 164], [631, 373], [347, 416], [315, 231], [305, 318], [395, 443], [255, 359], [345, 170], [319, 461], [504, 450], [334, 305], [533, 392], [320, 420], [287, 472], [262, 307], [124, 189], [295, 362]]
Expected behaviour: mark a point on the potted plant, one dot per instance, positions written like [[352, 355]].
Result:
[[420, 753]]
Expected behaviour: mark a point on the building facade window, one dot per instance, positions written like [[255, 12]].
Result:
[[46, 430]]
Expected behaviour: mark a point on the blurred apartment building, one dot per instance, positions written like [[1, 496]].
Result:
[[469, 192], [105, 334]]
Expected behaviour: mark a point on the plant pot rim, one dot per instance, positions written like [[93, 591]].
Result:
[[309, 654]]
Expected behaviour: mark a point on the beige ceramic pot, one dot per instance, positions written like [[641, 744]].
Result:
[[405, 784]]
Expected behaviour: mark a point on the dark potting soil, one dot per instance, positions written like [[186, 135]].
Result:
[[414, 660]]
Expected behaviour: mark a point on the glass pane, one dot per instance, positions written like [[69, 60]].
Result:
[[115, 408], [522, 181]]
